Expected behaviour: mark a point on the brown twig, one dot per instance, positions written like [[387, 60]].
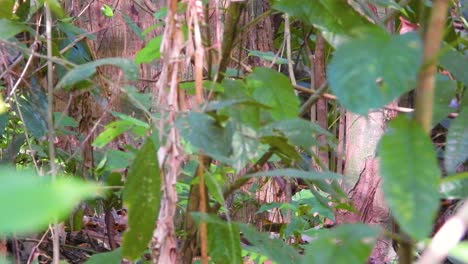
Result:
[[332, 97]]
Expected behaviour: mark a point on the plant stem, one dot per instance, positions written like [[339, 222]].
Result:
[[425, 89], [50, 124]]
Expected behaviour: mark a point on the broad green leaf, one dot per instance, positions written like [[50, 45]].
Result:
[[444, 93], [63, 120], [456, 150], [455, 186], [205, 134], [117, 159], [134, 121], [140, 100], [305, 197], [85, 71], [113, 257], [298, 131], [245, 146], [300, 174], [372, 70], [335, 18], [55, 7], [223, 239], [410, 173], [133, 26], [23, 9], [274, 90], [268, 56], [455, 62], [7, 8], [33, 114], [280, 145], [276, 250], [346, 244], [112, 131], [248, 113], [141, 196], [30, 203], [9, 28], [150, 52]]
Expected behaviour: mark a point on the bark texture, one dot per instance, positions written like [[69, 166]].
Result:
[[362, 180]]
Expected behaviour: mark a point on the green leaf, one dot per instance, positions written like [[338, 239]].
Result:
[[300, 174], [223, 239], [245, 146], [30, 203], [410, 173], [133, 26], [63, 120], [276, 250], [119, 127], [455, 62], [298, 131], [117, 159], [150, 52], [372, 70], [349, 243], [107, 11], [456, 150], [113, 257], [444, 93], [274, 90], [247, 113], [9, 28], [305, 197], [23, 9], [140, 100], [268, 56], [33, 114], [205, 134], [7, 8], [141, 196], [335, 18], [281, 147], [455, 186], [112, 131], [134, 121], [55, 7], [85, 71]]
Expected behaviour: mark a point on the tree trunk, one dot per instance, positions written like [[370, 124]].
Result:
[[362, 180]]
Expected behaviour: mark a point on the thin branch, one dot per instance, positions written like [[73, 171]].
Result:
[[332, 97], [287, 36], [447, 237], [313, 98], [50, 124]]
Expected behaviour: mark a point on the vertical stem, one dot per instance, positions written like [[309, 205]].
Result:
[[287, 36], [50, 123], [425, 89], [432, 41], [199, 55]]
